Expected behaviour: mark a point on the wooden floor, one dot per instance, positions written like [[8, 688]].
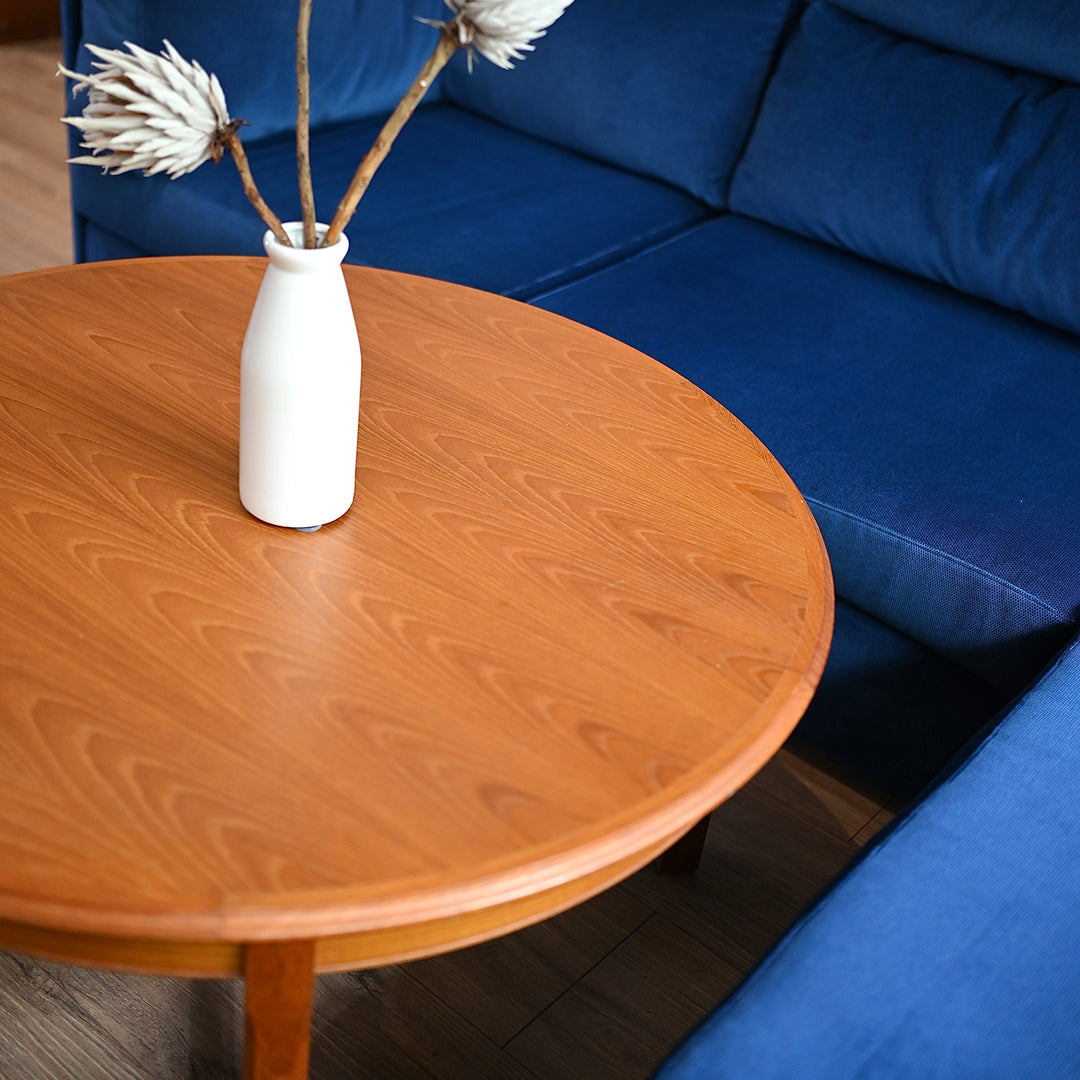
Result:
[[605, 990], [34, 220]]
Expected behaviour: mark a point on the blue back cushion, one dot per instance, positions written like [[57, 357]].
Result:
[[1037, 35], [936, 162], [364, 53], [666, 90]]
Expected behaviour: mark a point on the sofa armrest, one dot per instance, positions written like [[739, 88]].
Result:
[[952, 948]]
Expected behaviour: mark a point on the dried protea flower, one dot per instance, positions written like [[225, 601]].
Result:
[[500, 30], [165, 114], [161, 114], [155, 113]]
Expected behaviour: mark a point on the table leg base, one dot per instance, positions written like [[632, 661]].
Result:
[[684, 856]]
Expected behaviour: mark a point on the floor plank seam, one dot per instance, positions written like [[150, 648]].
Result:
[[581, 978], [459, 1017]]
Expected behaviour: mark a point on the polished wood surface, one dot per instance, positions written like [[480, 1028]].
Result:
[[574, 607]]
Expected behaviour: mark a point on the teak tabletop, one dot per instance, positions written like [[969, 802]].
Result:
[[575, 605]]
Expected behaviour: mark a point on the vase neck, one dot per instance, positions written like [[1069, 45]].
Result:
[[298, 259]]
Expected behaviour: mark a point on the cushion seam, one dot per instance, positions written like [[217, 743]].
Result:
[[614, 255], [944, 556], [629, 256]]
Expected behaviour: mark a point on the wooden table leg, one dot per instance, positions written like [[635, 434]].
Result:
[[279, 979], [684, 856]]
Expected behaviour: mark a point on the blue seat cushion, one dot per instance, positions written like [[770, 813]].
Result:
[[951, 167], [951, 949], [888, 711], [667, 90], [933, 435], [458, 198]]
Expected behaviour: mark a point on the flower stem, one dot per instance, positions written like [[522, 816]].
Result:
[[252, 192], [381, 147], [303, 125]]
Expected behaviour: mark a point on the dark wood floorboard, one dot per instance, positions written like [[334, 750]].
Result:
[[605, 990]]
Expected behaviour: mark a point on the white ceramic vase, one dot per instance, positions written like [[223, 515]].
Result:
[[300, 388]]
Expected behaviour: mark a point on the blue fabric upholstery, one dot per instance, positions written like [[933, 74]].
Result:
[[364, 53], [889, 710], [71, 28], [458, 198], [934, 436], [635, 88], [1036, 35], [100, 244], [952, 949], [947, 166]]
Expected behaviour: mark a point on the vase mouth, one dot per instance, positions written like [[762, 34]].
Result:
[[299, 257]]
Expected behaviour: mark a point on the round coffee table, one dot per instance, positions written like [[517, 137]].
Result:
[[575, 605]]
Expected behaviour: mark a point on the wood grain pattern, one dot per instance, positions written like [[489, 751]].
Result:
[[575, 606]]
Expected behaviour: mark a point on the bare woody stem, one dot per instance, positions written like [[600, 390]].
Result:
[[381, 147], [303, 125], [252, 192]]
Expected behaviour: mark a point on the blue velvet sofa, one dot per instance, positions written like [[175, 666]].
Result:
[[856, 225]]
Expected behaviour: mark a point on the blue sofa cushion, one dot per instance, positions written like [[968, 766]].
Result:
[[934, 436], [952, 949], [363, 53], [667, 90], [458, 198], [889, 710], [1037, 35], [948, 166]]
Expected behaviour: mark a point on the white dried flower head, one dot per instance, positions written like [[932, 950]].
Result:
[[155, 113], [501, 30]]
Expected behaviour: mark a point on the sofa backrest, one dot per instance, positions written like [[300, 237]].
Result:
[[938, 136], [1035, 35], [663, 89], [363, 53]]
